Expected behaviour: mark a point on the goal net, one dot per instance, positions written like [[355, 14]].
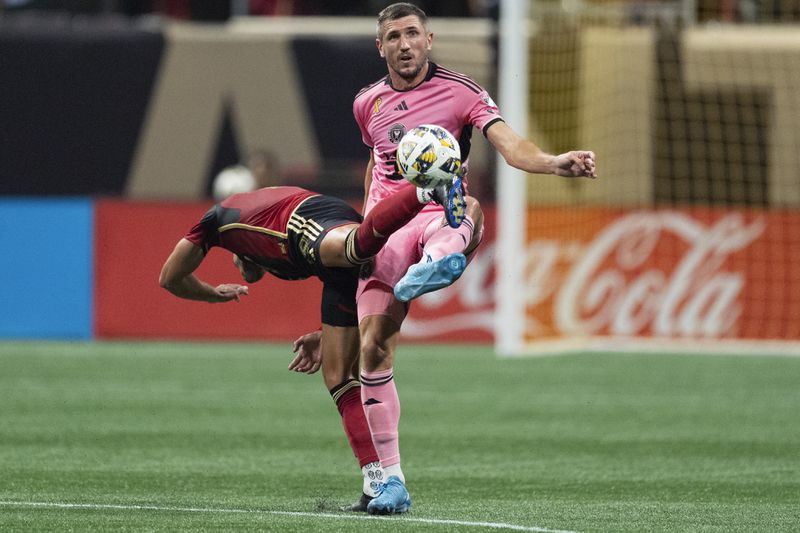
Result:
[[690, 237]]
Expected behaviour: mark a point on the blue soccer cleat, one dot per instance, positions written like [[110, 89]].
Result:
[[393, 499], [451, 197], [422, 278]]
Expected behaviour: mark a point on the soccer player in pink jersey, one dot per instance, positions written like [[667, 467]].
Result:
[[426, 254], [294, 233]]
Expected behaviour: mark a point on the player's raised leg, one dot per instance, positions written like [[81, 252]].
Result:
[[395, 211], [443, 255], [353, 244]]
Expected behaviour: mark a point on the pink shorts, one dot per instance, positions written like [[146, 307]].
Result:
[[375, 294]]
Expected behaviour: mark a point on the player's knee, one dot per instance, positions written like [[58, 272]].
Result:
[[332, 248], [474, 210], [475, 213], [375, 352], [338, 367], [336, 374]]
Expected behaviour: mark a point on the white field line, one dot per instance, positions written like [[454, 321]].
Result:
[[101, 506], [658, 346]]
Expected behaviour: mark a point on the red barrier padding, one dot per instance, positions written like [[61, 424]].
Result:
[[132, 241]]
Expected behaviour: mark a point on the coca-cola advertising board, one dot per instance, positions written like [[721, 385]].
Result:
[[698, 273]]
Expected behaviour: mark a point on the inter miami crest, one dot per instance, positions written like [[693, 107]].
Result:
[[396, 132]]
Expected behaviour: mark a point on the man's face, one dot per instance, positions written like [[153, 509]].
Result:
[[405, 46]]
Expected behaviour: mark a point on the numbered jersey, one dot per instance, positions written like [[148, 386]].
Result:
[[385, 114]]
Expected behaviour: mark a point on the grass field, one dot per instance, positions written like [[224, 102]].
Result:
[[167, 437]]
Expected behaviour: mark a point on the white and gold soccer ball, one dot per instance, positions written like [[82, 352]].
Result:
[[428, 156]]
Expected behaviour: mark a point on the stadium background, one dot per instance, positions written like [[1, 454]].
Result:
[[121, 128], [110, 130]]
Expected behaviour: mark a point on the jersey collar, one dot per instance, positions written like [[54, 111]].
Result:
[[432, 67]]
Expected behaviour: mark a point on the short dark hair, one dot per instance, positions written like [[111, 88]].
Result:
[[398, 11]]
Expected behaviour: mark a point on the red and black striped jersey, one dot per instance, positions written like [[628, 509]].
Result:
[[254, 226]]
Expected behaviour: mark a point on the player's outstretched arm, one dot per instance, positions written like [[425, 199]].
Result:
[[525, 155], [178, 278], [309, 353]]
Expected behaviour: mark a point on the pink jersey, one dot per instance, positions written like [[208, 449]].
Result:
[[385, 114]]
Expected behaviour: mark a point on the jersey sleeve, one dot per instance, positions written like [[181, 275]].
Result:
[[482, 111], [203, 233]]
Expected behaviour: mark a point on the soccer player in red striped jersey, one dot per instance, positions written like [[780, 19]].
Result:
[[426, 254], [293, 234]]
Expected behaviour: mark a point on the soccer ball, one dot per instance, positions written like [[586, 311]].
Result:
[[428, 156], [233, 180]]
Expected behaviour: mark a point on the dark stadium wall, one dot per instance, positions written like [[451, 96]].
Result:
[[72, 104], [206, 79], [330, 104], [157, 115], [93, 109]]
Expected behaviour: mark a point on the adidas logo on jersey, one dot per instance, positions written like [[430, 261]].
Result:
[[402, 106]]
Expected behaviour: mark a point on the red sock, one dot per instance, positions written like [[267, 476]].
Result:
[[388, 216], [347, 396]]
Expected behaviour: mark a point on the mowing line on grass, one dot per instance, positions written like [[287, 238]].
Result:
[[100, 506]]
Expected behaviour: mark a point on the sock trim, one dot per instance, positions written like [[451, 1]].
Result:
[[376, 382], [342, 388], [351, 250]]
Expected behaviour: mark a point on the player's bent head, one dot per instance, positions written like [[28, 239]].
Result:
[[398, 11]]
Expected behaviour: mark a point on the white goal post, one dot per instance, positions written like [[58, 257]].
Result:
[[511, 183]]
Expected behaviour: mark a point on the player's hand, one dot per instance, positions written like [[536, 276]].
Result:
[[309, 353], [229, 291], [576, 164]]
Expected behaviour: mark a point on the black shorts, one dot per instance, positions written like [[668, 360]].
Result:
[[307, 226]]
